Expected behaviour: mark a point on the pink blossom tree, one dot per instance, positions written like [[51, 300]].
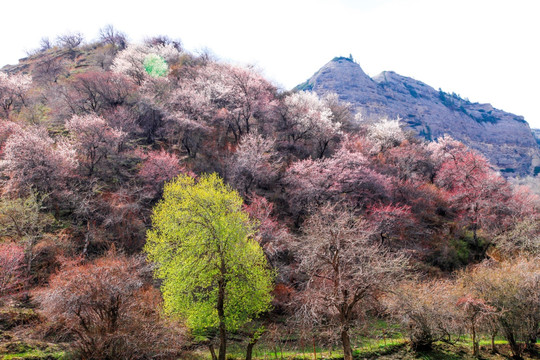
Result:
[[123, 219], [191, 114], [478, 193], [473, 311], [94, 140], [392, 223], [229, 99], [31, 159], [272, 235], [410, 161], [247, 99], [7, 128], [109, 310], [157, 168], [524, 202], [343, 177]]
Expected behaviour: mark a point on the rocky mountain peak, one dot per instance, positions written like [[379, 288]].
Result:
[[504, 138], [341, 70], [345, 77]]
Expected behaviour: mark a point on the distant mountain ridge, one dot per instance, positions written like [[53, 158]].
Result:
[[504, 138]]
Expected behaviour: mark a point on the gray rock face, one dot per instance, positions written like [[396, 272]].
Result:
[[536, 134], [504, 138]]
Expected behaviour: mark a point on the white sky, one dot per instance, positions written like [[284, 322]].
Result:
[[486, 50]]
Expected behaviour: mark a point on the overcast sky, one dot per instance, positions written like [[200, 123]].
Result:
[[485, 50]]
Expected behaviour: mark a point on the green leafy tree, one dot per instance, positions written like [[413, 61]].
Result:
[[22, 220], [214, 273]]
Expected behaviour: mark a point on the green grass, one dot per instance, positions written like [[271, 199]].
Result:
[[380, 349], [389, 349], [368, 349], [20, 349], [34, 354]]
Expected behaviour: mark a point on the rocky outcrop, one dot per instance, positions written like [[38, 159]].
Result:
[[504, 138], [536, 134]]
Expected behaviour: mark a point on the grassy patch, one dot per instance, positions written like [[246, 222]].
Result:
[[30, 350], [373, 349], [369, 350], [380, 350], [35, 355]]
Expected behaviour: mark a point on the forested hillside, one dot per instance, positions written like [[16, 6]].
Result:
[[157, 204]]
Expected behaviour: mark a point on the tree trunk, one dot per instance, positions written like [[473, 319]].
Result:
[[221, 315], [493, 347], [530, 344], [212, 351], [346, 341], [249, 350], [475, 236], [476, 349], [514, 346], [30, 255]]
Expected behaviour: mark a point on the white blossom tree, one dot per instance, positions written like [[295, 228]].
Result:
[[254, 164], [307, 119], [13, 89], [385, 134], [131, 61], [94, 139]]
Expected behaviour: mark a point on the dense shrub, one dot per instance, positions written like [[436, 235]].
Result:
[[109, 310]]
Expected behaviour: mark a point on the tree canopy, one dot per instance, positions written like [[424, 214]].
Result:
[[214, 273]]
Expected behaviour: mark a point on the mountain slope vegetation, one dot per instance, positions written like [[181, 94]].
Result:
[[360, 223]]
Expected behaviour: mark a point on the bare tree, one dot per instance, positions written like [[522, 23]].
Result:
[[163, 40], [45, 44], [344, 269], [473, 312], [109, 35], [70, 40], [512, 288], [49, 69], [427, 310]]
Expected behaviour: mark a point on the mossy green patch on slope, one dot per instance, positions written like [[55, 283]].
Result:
[[155, 65]]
